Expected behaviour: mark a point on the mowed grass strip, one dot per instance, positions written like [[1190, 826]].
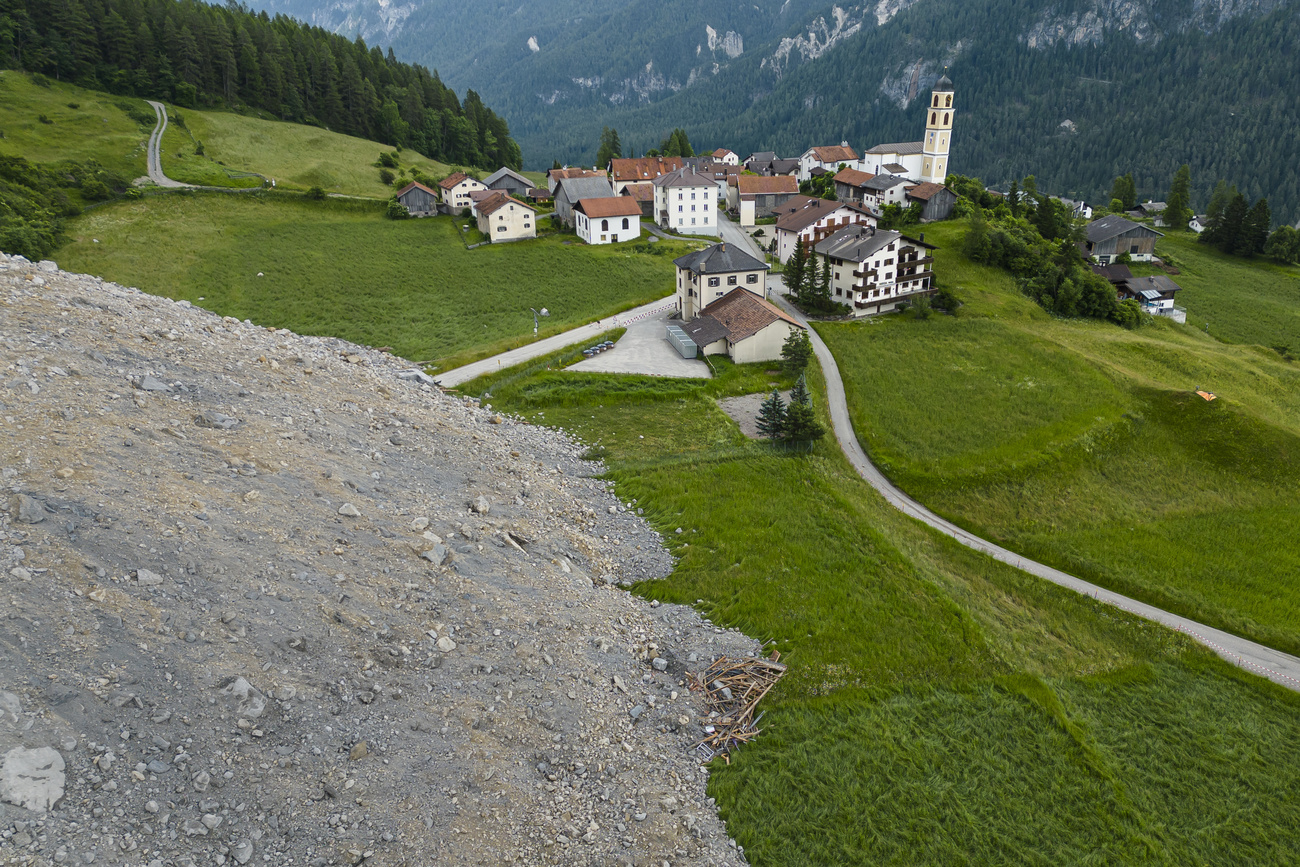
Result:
[[97, 129], [1082, 445], [339, 268], [940, 707]]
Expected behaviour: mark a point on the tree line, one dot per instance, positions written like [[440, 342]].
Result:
[[198, 55]]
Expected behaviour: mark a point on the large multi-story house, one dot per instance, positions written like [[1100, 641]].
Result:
[[874, 270], [504, 218], [806, 219], [686, 202], [706, 275]]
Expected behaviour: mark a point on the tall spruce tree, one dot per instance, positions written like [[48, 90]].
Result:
[[1227, 234], [1254, 229], [1178, 209], [610, 147], [799, 392], [793, 275]]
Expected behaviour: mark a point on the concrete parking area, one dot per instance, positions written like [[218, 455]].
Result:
[[645, 349]]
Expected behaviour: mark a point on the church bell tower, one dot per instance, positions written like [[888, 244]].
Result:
[[938, 133]]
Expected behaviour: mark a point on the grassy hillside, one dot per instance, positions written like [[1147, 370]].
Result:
[[296, 156], [1082, 444], [234, 145], [1243, 301], [940, 708], [98, 128], [338, 267]]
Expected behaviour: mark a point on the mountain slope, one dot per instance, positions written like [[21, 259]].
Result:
[[1145, 85]]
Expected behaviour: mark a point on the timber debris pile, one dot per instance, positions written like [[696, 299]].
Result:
[[733, 688]]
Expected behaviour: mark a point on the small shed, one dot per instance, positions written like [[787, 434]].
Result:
[[419, 200]]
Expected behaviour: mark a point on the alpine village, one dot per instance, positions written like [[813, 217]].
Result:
[[649, 434]]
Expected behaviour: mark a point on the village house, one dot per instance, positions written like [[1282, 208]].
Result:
[[509, 182], [936, 200], [1155, 294], [1078, 210], [875, 270], [772, 167], [607, 220], [828, 158], [419, 200], [643, 195], [754, 197], [1198, 223], [571, 190], [477, 196], [723, 155], [505, 218], [1112, 236], [884, 190], [742, 326], [640, 170], [850, 185], [686, 202], [806, 219], [554, 176], [456, 188], [706, 275]]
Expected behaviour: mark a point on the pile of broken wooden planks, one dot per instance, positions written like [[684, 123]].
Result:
[[733, 689]]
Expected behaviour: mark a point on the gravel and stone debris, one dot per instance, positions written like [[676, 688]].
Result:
[[273, 599]]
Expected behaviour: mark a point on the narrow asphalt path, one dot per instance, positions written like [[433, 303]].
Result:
[[460, 375], [155, 149], [1281, 668]]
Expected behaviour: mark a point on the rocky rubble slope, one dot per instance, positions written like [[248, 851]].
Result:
[[267, 601]]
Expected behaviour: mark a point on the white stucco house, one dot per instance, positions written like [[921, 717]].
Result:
[[456, 189], [686, 202], [810, 220], [706, 275], [607, 220], [874, 270], [505, 218], [742, 326], [828, 158]]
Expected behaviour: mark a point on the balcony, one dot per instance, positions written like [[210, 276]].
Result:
[[925, 260], [871, 273], [913, 278]]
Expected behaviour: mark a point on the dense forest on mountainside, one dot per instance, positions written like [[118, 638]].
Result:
[[199, 55], [1145, 88]]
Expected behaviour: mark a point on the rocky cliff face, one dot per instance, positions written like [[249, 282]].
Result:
[[1140, 19], [270, 599]]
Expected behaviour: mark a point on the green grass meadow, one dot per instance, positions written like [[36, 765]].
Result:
[[940, 707], [339, 268], [1083, 445], [296, 156], [97, 129]]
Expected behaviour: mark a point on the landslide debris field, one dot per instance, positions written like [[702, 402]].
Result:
[[267, 601]]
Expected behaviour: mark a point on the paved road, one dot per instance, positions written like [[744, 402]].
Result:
[[155, 149], [733, 234], [1278, 667], [461, 375]]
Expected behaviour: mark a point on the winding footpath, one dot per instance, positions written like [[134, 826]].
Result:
[[1281, 668], [155, 149]]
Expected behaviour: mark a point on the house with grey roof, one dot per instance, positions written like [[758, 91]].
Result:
[[882, 190], [1155, 294], [687, 202], [509, 182], [570, 191], [1112, 236], [885, 159], [876, 270], [706, 275]]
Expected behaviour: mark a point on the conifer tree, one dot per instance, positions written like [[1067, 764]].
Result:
[[1254, 229], [1178, 210], [771, 417], [793, 275], [801, 425], [1227, 234], [797, 351], [799, 392]]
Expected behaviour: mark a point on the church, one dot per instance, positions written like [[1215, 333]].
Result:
[[926, 161]]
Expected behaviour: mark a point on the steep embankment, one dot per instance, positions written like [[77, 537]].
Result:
[[268, 600]]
